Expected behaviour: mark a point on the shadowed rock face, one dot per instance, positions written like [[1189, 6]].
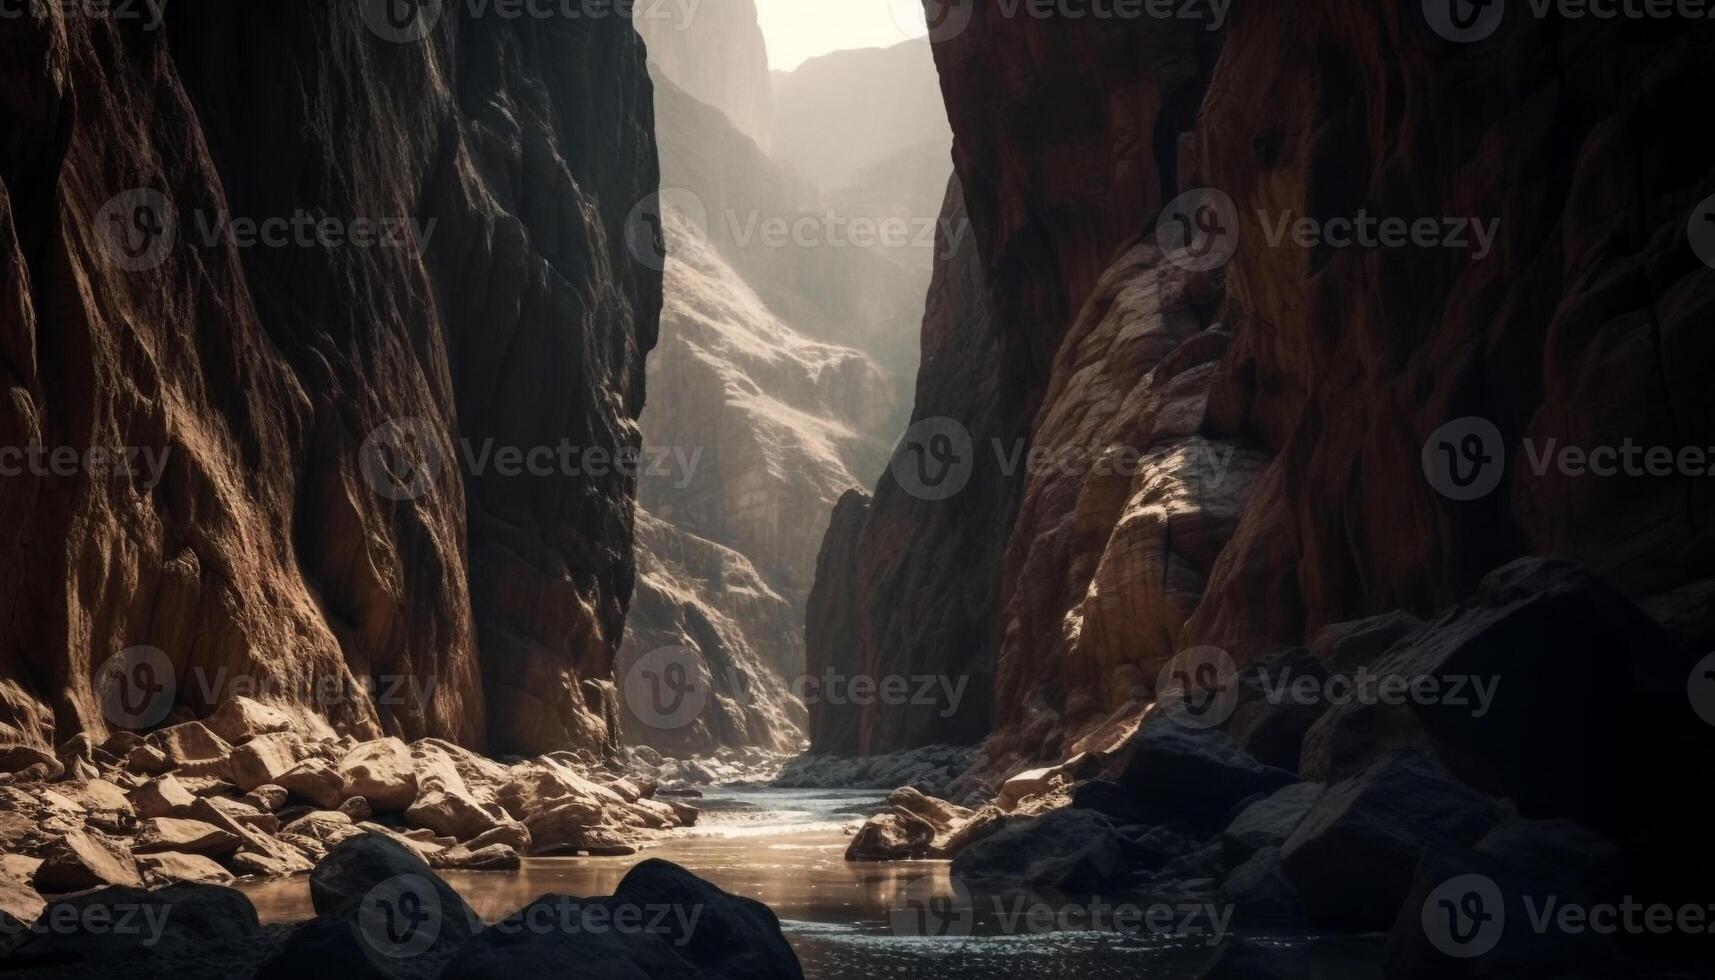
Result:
[[262, 554], [1313, 376], [908, 585]]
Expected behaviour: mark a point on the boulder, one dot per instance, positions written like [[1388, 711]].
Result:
[[1358, 643], [1269, 822], [180, 930], [455, 812], [494, 857], [895, 834], [20, 905], [1379, 823], [593, 841], [148, 760], [980, 825], [170, 867], [263, 759], [192, 750], [1070, 848], [266, 799], [941, 814], [316, 780], [18, 759], [82, 860], [159, 834], [1196, 775], [380, 912], [382, 773], [261, 853], [240, 719], [514, 835], [357, 808], [1259, 892], [1544, 860], [730, 937]]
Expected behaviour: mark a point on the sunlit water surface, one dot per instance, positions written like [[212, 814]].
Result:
[[846, 920]]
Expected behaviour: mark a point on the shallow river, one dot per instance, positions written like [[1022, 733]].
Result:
[[846, 921]]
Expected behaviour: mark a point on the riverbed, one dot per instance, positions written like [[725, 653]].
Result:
[[846, 921]]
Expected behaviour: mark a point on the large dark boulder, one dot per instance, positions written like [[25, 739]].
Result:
[[381, 912], [179, 931], [1070, 850], [1490, 911], [1353, 856], [683, 928], [1194, 775], [1268, 822]]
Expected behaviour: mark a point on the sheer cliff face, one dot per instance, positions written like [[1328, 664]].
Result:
[[1279, 405], [317, 532], [714, 50]]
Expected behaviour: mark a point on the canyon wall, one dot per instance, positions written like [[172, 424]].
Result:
[[1233, 452], [317, 534]]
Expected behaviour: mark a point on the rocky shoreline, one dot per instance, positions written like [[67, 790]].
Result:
[[242, 794], [381, 911], [1352, 816]]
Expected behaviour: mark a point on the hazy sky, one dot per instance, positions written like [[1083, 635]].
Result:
[[800, 29]]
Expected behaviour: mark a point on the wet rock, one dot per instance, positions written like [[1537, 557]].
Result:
[[1063, 846], [1471, 912], [493, 857], [1268, 822], [980, 825], [1259, 892], [1380, 821], [83, 860], [186, 836], [514, 835], [731, 936], [593, 841], [381, 772], [1194, 774], [895, 834], [190, 930]]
